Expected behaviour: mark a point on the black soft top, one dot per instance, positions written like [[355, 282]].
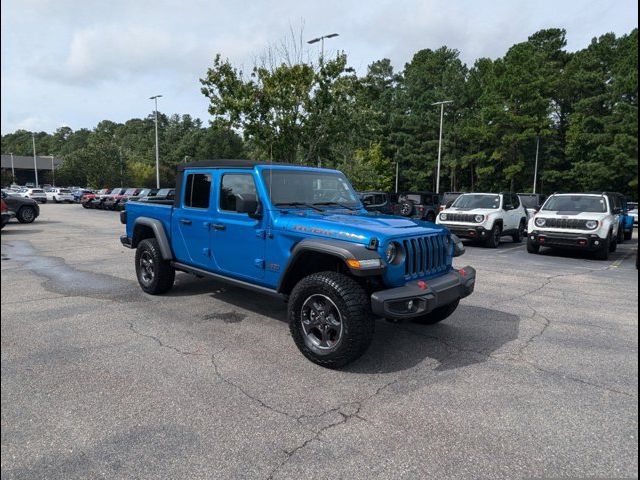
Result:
[[227, 163]]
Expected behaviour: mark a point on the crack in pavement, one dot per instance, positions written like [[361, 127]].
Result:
[[196, 353]]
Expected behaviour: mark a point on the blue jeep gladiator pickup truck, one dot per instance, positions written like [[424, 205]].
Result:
[[303, 234]]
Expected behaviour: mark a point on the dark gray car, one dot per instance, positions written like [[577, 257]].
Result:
[[27, 210]]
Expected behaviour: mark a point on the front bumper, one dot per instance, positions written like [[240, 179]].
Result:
[[590, 242], [420, 297], [474, 232]]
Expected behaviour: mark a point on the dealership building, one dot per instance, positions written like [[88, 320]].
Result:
[[23, 168]]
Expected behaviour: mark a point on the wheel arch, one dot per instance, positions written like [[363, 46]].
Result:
[[316, 255], [145, 227]]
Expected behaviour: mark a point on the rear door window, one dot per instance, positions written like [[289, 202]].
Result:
[[197, 192]]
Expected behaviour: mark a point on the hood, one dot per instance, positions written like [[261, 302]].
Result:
[[572, 215], [355, 227], [471, 211]]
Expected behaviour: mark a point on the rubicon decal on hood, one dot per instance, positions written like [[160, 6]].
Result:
[[329, 233]]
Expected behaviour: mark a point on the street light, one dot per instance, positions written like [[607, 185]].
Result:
[[442, 104], [535, 172], [35, 164], [53, 171], [321, 40], [155, 99]]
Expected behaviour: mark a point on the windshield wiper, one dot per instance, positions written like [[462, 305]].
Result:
[[337, 204], [298, 204]]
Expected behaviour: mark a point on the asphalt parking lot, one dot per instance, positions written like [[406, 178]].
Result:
[[536, 374]]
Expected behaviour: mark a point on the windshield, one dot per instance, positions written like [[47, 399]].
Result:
[[477, 201], [529, 201], [64, 190], [300, 187], [576, 203]]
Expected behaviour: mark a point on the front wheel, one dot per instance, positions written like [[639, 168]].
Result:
[[603, 253], [532, 247], [329, 319], [154, 273], [495, 237], [437, 315]]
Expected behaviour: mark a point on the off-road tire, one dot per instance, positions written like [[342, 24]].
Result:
[[163, 273], [605, 250], [621, 235], [407, 208], [431, 217], [494, 237], [520, 233], [26, 214], [532, 247], [352, 302], [437, 315], [613, 244]]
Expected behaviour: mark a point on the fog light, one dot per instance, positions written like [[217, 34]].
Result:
[[596, 243]]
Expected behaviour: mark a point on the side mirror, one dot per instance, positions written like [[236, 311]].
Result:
[[458, 246], [367, 201], [246, 203]]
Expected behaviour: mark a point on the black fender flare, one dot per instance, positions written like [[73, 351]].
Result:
[[340, 249], [159, 233]]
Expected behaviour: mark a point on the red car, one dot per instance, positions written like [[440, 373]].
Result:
[[6, 214], [87, 198]]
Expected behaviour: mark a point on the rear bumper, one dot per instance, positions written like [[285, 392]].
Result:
[[577, 241], [419, 297], [126, 241], [468, 231]]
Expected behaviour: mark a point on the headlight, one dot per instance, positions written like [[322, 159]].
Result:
[[479, 218], [391, 252], [541, 222], [591, 224], [443, 216]]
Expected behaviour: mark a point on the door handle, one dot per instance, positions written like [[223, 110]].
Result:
[[219, 226], [184, 221]]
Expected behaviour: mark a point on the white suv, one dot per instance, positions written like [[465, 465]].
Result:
[[486, 217], [59, 195], [36, 194], [583, 221]]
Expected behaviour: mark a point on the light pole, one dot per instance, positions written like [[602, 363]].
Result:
[[35, 163], [13, 170], [155, 99], [535, 172], [53, 171], [442, 104], [321, 40]]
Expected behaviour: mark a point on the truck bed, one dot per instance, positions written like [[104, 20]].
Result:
[[158, 210]]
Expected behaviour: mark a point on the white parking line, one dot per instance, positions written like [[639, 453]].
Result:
[[510, 249]]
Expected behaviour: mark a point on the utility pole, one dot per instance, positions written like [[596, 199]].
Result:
[[535, 172], [155, 99], [442, 104], [397, 174], [13, 170], [35, 162], [53, 171]]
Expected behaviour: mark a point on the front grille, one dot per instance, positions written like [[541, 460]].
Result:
[[425, 256], [567, 223], [460, 217]]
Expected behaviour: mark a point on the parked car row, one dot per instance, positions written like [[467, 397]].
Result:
[[595, 222], [117, 198]]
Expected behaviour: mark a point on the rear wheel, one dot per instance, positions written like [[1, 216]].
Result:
[[519, 235], [431, 217], [406, 208], [155, 274], [26, 214], [628, 235], [438, 315], [329, 319]]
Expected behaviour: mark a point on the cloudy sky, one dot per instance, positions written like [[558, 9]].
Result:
[[76, 62]]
